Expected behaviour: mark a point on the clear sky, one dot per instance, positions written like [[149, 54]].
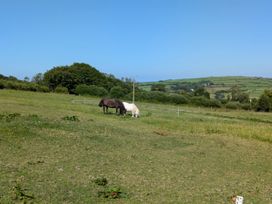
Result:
[[146, 40]]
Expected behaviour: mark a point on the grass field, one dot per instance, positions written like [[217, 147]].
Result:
[[254, 86], [202, 156]]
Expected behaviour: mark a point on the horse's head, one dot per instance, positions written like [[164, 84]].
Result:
[[101, 102], [121, 106], [137, 112]]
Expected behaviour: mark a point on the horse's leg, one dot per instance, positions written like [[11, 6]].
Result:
[[104, 109]]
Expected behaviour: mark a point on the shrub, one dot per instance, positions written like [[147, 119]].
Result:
[[178, 99], [97, 91], [254, 103], [246, 106], [117, 92], [233, 105], [71, 118], [42, 88], [82, 89], [61, 89], [203, 101], [215, 103], [2, 85], [101, 181], [264, 103], [93, 90]]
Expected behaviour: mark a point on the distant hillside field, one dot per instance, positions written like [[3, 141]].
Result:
[[252, 85]]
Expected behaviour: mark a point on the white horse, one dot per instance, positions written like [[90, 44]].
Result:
[[131, 107]]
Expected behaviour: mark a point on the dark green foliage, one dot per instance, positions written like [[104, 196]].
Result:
[[42, 88], [71, 118], [264, 103], [238, 95], [2, 85], [117, 92], [243, 98], [9, 116], [253, 103], [92, 90], [101, 181], [80, 73], [202, 92], [22, 85], [233, 105], [203, 101], [246, 106], [178, 99], [112, 192], [61, 89], [158, 87]]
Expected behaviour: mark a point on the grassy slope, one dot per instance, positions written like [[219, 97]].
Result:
[[253, 85], [203, 156]]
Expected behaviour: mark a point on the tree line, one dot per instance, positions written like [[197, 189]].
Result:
[[83, 79]]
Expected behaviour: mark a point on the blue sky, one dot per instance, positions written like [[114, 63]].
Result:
[[147, 40]]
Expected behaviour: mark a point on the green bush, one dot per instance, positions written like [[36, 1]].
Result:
[[264, 103], [42, 88], [117, 92], [2, 85], [215, 103], [233, 105], [61, 89], [246, 106], [93, 90], [82, 89], [203, 101], [20, 85], [178, 99]]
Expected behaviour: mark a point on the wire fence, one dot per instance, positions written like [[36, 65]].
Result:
[[178, 111]]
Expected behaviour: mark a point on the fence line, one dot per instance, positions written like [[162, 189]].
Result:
[[178, 111]]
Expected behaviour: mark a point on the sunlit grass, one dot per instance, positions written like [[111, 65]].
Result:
[[202, 156]]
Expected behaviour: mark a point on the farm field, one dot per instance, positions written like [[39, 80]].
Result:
[[254, 86], [201, 156]]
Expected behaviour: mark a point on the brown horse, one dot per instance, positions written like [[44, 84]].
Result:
[[112, 103]]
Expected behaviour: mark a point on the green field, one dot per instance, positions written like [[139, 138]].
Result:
[[201, 156], [254, 86]]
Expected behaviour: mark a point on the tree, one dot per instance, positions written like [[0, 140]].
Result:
[[265, 101], [81, 73], [26, 79], [243, 97], [238, 95], [202, 92], [38, 78]]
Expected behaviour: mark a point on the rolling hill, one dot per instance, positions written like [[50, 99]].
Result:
[[252, 85]]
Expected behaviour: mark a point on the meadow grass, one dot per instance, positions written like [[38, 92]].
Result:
[[202, 156]]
